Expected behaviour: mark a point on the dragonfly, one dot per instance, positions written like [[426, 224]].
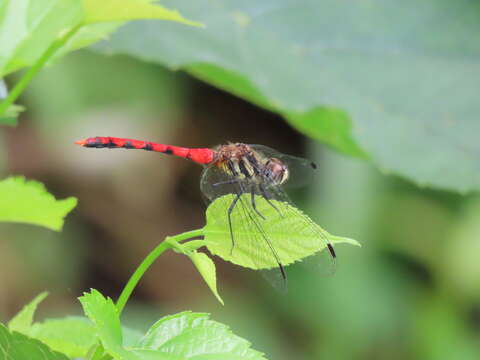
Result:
[[245, 171]]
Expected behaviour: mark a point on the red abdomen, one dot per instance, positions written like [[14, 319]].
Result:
[[200, 156]]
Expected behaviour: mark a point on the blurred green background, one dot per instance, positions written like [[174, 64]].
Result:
[[411, 292]]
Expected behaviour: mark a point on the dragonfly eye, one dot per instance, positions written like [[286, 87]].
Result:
[[277, 171]]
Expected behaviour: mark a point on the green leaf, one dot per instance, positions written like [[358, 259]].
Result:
[[124, 10], [315, 62], [29, 27], [329, 125], [206, 268], [29, 202], [186, 335], [72, 336], [202, 262], [177, 337], [292, 234], [103, 313], [15, 346], [22, 322]]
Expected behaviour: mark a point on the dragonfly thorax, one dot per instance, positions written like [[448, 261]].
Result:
[[242, 162]]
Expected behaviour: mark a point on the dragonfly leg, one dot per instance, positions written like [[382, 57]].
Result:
[[254, 205], [230, 210], [266, 196]]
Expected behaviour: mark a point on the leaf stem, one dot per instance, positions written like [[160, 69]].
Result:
[[32, 71], [168, 243]]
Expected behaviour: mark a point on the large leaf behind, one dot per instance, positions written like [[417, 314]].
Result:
[[407, 73]]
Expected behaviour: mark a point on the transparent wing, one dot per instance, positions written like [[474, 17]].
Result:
[[215, 182], [257, 216], [301, 171], [324, 260], [247, 234]]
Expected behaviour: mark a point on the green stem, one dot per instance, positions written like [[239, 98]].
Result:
[[168, 243], [28, 76]]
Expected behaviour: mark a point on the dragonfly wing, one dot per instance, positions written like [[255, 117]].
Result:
[[301, 170], [325, 259], [215, 182], [250, 241]]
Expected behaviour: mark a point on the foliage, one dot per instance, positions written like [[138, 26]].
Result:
[[22, 322], [293, 235], [174, 337], [43, 29], [29, 202], [180, 336], [365, 77], [15, 346]]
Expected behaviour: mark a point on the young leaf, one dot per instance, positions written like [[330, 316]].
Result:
[[103, 313], [206, 268], [72, 336], [292, 234], [29, 202], [22, 322], [16, 346], [190, 335]]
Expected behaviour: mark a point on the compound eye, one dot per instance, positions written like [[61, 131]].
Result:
[[278, 172]]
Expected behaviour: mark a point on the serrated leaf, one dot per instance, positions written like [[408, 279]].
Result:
[[287, 233], [22, 322], [391, 68], [206, 268], [103, 313], [72, 336], [29, 202], [190, 335], [178, 337], [16, 346]]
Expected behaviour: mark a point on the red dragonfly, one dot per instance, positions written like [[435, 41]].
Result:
[[238, 169]]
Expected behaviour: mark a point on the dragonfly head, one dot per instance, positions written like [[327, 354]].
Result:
[[276, 171]]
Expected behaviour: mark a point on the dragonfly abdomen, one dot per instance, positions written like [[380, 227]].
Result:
[[201, 155]]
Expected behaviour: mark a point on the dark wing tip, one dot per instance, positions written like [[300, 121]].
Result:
[[313, 165]]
